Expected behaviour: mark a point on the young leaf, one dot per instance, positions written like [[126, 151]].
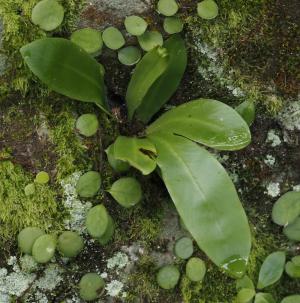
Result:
[[205, 121], [129, 55], [245, 295], [126, 191], [118, 165], [207, 9], [113, 38], [291, 299], [97, 221], [137, 152], [184, 248], [27, 237], [87, 125], [195, 269], [167, 7], [207, 203], [103, 240], [173, 25], [43, 248], [271, 270], [165, 86], [168, 277], [90, 286], [70, 244], [247, 111], [150, 39], [287, 208], [88, 184], [135, 25], [148, 70], [264, 298], [292, 231], [66, 69], [244, 282], [292, 270]]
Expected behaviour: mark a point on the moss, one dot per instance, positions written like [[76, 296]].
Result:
[[18, 210], [18, 31], [235, 52]]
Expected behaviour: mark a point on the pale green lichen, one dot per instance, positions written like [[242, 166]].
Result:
[[273, 189], [273, 138]]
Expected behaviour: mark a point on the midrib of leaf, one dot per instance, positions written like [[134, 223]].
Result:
[[189, 171]]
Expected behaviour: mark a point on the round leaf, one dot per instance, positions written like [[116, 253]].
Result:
[[287, 208], [42, 177], [184, 248], [88, 184], [168, 277], [195, 269], [244, 282], [292, 270], [29, 189], [264, 298], [113, 38], [27, 237], [126, 191], [48, 14], [207, 9], [173, 25], [167, 7], [103, 240], [97, 221], [291, 299], [271, 270], [118, 165], [150, 40], [44, 248], [70, 244], [87, 125], [245, 295], [89, 39], [90, 286], [135, 25], [130, 55], [296, 260], [292, 231]]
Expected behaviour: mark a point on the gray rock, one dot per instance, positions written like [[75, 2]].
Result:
[[101, 13]]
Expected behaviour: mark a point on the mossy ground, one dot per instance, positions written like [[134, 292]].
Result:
[[243, 43]]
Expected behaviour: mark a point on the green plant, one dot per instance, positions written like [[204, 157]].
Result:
[[168, 277], [291, 299], [43, 248], [135, 25], [195, 269], [87, 125], [27, 237], [184, 248], [42, 177], [113, 38], [88, 184], [208, 9], [90, 286], [70, 244], [207, 202], [167, 7]]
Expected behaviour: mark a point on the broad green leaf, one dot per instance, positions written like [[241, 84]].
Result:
[[129, 55], [167, 7], [103, 240], [296, 260], [264, 298], [88, 184], [245, 295], [271, 270], [139, 153], [113, 38], [205, 121], [66, 69], [165, 86], [207, 202], [292, 270], [150, 39], [173, 25], [195, 269], [292, 231], [291, 299], [148, 70], [126, 191], [247, 111], [42, 177], [135, 25], [287, 208], [184, 248], [244, 282], [168, 277]]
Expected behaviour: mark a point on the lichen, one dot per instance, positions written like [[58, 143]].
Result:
[[273, 189]]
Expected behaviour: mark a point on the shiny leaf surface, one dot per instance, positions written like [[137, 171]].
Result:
[[165, 86], [207, 202], [205, 121], [66, 68], [137, 152]]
